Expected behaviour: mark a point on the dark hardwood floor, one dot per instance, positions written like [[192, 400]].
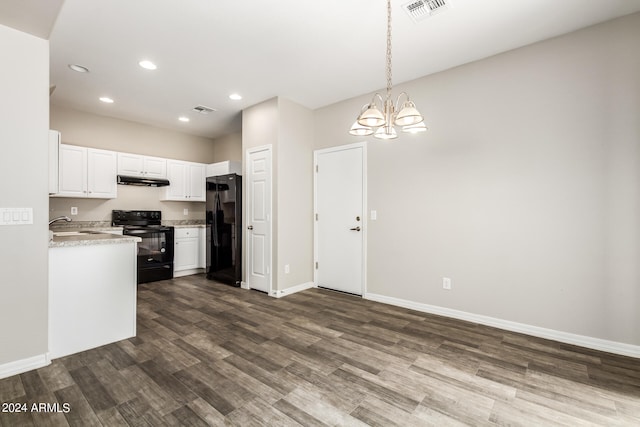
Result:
[[210, 354]]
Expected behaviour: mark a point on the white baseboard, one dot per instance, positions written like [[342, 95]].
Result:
[[292, 290], [187, 272], [551, 334], [19, 366]]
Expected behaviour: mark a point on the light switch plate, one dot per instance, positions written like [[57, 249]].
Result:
[[16, 216]]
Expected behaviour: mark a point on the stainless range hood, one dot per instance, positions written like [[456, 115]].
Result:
[[145, 182]]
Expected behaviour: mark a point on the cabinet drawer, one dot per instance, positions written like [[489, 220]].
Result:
[[181, 233]]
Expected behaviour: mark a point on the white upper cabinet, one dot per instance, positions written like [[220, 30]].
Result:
[[72, 171], [87, 172], [142, 166], [187, 181], [54, 160], [224, 168], [197, 182]]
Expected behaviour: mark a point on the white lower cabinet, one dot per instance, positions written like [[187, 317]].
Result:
[[188, 248]]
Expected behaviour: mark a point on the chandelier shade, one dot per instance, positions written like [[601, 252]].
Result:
[[385, 132], [371, 117], [417, 128], [358, 130], [409, 115], [379, 117]]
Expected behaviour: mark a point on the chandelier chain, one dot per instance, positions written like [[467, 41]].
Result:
[[380, 120], [389, 84]]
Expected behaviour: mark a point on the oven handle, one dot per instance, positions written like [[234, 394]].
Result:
[[131, 232]]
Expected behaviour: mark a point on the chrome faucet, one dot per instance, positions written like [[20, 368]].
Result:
[[60, 218]]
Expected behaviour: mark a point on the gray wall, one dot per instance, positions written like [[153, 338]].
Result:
[[295, 201], [288, 128], [24, 124], [228, 147], [90, 130], [260, 128], [525, 191]]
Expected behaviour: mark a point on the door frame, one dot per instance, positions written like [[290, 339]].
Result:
[[365, 215], [245, 214]]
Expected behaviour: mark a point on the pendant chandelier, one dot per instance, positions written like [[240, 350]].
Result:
[[380, 116]]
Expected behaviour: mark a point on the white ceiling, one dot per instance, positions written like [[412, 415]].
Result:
[[314, 53]]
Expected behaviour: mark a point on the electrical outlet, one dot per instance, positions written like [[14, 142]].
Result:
[[446, 283], [185, 211], [286, 269], [74, 210]]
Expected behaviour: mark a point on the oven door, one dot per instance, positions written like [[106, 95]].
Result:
[[155, 253]]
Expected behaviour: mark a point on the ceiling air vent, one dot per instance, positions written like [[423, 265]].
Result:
[[422, 9], [204, 110]]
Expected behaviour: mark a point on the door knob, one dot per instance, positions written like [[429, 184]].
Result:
[[250, 227], [355, 229]]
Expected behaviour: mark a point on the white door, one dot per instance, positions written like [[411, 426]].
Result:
[[340, 221], [259, 218]]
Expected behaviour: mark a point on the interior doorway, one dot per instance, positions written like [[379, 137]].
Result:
[[259, 215], [340, 222]]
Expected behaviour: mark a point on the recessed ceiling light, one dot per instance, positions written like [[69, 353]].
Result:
[[235, 97], [147, 65], [78, 68], [106, 100], [183, 119]]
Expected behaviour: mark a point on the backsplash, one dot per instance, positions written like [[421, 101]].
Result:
[[98, 225], [129, 198], [80, 225]]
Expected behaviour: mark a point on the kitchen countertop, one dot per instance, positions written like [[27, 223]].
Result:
[[99, 232], [89, 239]]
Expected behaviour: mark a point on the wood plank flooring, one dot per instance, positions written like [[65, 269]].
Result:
[[210, 354]]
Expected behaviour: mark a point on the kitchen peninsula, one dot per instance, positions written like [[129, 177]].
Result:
[[92, 290]]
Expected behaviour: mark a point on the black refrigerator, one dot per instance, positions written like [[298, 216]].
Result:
[[224, 229]]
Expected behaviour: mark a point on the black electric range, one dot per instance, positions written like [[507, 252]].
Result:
[[155, 251]]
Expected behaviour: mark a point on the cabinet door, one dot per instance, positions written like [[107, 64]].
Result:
[[54, 161], [73, 171], [130, 164], [155, 167], [185, 254], [197, 183], [177, 176], [101, 174]]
